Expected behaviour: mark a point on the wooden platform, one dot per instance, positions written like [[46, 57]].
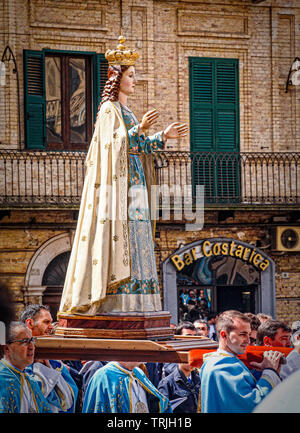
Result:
[[143, 326], [173, 350]]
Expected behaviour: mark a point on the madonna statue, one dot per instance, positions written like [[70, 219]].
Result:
[[112, 267]]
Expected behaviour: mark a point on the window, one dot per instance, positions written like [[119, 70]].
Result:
[[68, 102], [214, 114], [62, 95]]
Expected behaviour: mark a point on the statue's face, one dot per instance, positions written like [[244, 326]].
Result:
[[128, 81]]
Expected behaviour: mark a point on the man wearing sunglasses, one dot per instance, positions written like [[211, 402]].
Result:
[[18, 392]]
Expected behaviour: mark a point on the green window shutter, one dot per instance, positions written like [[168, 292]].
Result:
[[100, 78], [202, 126], [214, 114], [227, 129], [34, 99], [227, 105], [201, 89]]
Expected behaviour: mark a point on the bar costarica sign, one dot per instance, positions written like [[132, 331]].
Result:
[[210, 248]]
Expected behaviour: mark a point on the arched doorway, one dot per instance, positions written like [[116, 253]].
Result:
[[46, 272], [223, 273], [53, 280]]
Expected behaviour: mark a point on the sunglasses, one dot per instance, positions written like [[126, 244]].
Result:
[[24, 341]]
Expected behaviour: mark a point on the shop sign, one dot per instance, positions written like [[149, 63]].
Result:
[[230, 248]]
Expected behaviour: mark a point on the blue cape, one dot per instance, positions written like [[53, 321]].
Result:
[[54, 397], [109, 392], [11, 390], [228, 386]]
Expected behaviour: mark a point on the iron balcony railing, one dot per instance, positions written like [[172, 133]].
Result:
[[43, 179], [36, 178], [244, 178]]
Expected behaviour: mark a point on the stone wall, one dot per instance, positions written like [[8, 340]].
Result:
[[24, 236], [263, 37], [252, 227]]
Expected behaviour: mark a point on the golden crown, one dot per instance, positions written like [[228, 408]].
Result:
[[121, 56]]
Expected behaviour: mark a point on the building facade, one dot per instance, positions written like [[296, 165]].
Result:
[[221, 67]]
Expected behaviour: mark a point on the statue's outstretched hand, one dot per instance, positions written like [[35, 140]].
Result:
[[149, 119], [175, 130]]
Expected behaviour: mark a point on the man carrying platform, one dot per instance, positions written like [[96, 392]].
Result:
[[122, 387], [18, 392], [277, 334], [52, 376], [227, 385]]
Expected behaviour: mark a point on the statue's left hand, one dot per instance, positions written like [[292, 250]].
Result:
[[149, 119], [175, 130]]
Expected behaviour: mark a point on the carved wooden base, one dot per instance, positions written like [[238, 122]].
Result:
[[140, 326]]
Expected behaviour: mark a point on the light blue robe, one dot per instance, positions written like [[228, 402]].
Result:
[[11, 391], [109, 392], [228, 386], [54, 393]]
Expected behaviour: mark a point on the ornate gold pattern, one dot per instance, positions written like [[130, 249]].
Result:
[[123, 160], [125, 243]]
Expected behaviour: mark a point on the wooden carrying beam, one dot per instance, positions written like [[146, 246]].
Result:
[[86, 349]]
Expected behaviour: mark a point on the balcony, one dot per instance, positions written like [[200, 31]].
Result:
[[245, 179], [41, 179], [248, 179]]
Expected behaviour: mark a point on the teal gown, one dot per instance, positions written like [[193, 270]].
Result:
[[144, 280]]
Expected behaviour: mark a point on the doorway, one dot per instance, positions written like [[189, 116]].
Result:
[[241, 298], [53, 279], [233, 282]]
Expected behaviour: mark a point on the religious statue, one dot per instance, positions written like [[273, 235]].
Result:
[[112, 265]]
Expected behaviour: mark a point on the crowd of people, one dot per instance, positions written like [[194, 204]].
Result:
[[193, 304], [223, 384]]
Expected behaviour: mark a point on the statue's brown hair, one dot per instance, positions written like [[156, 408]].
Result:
[[112, 85]]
